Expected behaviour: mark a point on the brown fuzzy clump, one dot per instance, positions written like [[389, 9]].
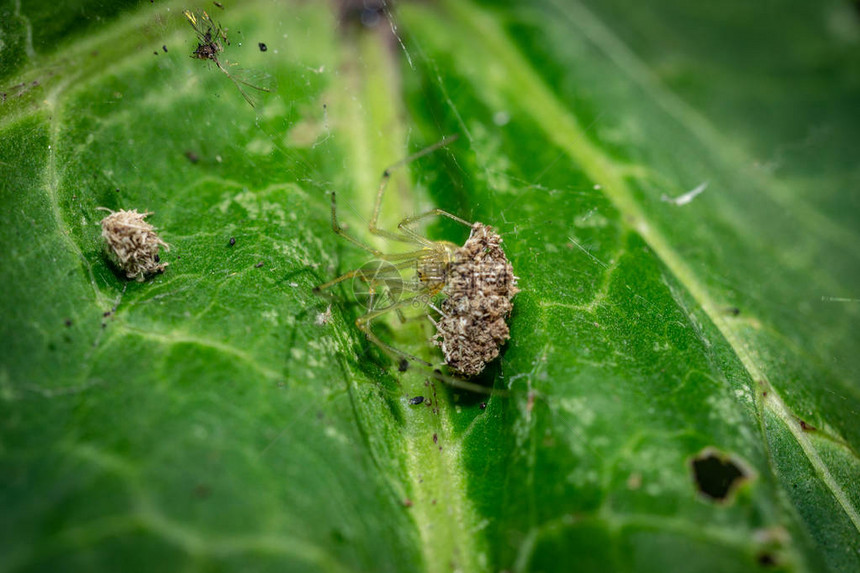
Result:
[[480, 286], [132, 243]]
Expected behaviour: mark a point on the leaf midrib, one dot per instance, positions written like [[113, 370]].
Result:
[[432, 454]]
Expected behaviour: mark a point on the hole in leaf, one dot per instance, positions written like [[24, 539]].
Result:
[[766, 559], [718, 475]]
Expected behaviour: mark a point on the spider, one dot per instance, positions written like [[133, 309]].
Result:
[[476, 281], [209, 44]]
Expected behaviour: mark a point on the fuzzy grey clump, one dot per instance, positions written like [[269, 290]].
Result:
[[132, 243], [480, 286]]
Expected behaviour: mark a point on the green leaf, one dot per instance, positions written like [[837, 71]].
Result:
[[673, 182]]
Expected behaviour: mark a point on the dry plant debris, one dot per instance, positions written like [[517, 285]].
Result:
[[480, 286], [132, 243]]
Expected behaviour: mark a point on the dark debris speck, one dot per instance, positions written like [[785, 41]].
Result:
[[258, 265], [202, 491], [807, 427]]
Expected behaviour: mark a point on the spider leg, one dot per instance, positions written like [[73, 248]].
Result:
[[406, 260], [376, 253], [363, 323], [319, 288], [432, 213], [465, 385], [414, 318], [405, 224], [383, 185]]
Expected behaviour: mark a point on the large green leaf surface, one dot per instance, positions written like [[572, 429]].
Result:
[[208, 419]]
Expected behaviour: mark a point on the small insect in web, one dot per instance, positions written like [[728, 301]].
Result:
[[211, 38], [475, 283]]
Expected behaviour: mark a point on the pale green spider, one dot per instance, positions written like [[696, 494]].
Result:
[[476, 278]]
